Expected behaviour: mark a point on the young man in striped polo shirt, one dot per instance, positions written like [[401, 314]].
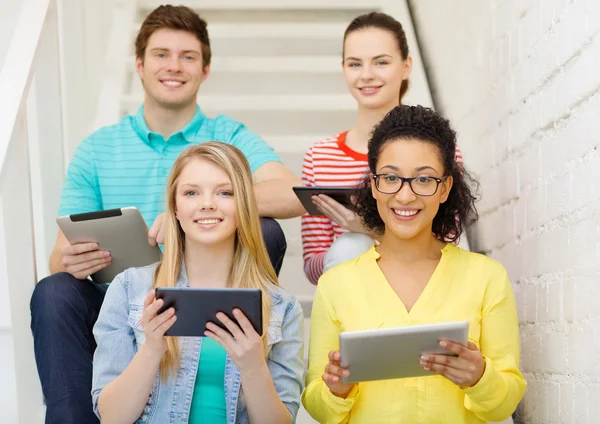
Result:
[[127, 165]]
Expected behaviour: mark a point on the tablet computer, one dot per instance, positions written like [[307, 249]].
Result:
[[122, 232], [195, 307], [339, 194], [388, 353]]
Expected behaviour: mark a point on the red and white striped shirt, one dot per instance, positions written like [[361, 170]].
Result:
[[330, 163]]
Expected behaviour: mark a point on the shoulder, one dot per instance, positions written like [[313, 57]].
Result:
[[478, 270], [328, 143], [135, 282], [348, 276], [112, 133], [284, 303], [108, 137], [476, 261], [224, 127]]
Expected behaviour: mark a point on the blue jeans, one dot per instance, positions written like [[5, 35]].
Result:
[[63, 313]]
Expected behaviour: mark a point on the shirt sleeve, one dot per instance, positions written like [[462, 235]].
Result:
[[318, 400], [254, 147], [114, 338], [502, 386], [286, 360], [317, 231], [80, 191], [458, 157]]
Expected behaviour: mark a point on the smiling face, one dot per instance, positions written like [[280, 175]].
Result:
[[205, 204], [405, 214], [172, 68], [374, 68]]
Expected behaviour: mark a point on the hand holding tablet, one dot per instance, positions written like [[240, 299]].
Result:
[[339, 194], [196, 307], [122, 232], [389, 353]]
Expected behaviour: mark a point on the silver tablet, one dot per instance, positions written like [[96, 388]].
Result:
[[388, 353], [122, 232]]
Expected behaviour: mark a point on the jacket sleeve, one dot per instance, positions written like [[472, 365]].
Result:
[[286, 359], [114, 338]]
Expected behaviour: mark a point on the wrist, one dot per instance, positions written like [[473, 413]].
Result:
[[257, 370], [342, 395], [151, 353]]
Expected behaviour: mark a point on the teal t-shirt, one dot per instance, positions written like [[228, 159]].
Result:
[[208, 400], [127, 165]]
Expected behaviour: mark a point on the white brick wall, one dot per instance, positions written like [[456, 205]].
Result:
[[520, 81]]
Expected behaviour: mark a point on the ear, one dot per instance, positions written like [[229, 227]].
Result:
[[205, 73], [139, 67], [445, 189], [408, 65], [374, 191]]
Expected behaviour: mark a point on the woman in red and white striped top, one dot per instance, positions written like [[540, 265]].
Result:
[[376, 68]]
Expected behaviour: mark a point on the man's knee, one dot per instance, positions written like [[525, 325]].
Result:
[[272, 232], [275, 242], [53, 292]]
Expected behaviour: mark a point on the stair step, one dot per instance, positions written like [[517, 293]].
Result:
[[305, 30], [263, 83], [288, 46], [314, 11], [243, 102]]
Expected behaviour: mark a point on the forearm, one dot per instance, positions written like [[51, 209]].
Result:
[[123, 399], [262, 402], [313, 267], [56, 262], [276, 199]]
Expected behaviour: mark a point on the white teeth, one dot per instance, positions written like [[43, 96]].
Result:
[[172, 83], [208, 221], [405, 213]]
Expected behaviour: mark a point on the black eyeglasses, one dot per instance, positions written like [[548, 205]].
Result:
[[421, 186]]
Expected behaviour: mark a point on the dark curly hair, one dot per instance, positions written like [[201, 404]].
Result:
[[422, 123]]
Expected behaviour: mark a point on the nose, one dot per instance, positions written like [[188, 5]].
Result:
[[206, 203], [174, 64], [367, 72], [406, 195]]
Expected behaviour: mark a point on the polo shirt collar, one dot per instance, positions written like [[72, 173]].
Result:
[[185, 135]]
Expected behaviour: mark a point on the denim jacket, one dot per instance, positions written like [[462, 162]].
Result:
[[119, 335]]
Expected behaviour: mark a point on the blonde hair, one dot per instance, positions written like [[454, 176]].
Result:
[[251, 264]]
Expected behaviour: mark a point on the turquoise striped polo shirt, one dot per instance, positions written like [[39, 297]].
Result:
[[127, 165]]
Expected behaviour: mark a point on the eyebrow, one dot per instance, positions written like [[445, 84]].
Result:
[[164, 49], [197, 186], [373, 58], [419, 169]]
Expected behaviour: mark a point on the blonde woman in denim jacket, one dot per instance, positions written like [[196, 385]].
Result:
[[212, 239]]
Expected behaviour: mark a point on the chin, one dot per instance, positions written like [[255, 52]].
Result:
[[372, 104]]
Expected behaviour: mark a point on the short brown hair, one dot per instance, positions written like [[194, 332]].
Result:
[[178, 18]]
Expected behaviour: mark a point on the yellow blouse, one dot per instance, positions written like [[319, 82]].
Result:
[[464, 286]]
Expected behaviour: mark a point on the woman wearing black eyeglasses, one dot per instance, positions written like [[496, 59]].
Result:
[[417, 198]]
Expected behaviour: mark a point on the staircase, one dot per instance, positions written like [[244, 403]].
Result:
[[276, 67]]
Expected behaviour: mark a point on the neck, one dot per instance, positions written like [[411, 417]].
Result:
[[366, 121], [209, 266], [167, 121], [424, 246]]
